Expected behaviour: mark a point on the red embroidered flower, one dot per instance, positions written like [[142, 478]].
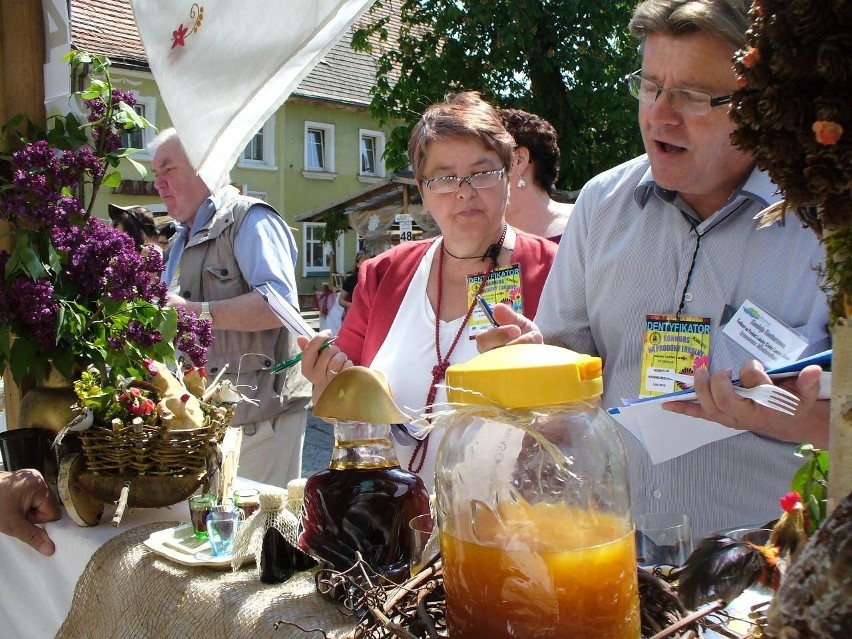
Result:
[[179, 37]]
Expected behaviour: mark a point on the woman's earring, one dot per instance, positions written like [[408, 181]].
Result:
[[521, 183]]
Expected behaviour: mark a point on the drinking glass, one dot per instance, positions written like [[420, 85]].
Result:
[[663, 539], [424, 542], [248, 499], [199, 507], [222, 524]]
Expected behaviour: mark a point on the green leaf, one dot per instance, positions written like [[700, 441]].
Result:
[[140, 168], [112, 179], [23, 359]]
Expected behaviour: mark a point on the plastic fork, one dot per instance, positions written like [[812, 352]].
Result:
[[768, 395], [771, 396]]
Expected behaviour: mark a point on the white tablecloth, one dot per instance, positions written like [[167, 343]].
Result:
[[36, 591]]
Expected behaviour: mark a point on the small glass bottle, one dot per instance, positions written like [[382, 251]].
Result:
[[362, 503]]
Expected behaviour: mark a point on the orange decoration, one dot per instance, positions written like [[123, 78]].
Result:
[[827, 132], [751, 57]]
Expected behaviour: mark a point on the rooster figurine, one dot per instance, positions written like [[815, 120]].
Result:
[[723, 568]]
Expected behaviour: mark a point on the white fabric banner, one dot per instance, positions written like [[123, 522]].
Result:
[[223, 67]]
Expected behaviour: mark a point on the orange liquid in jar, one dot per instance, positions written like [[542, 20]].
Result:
[[565, 574]]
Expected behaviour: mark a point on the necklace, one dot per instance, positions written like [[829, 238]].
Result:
[[439, 371], [492, 251]]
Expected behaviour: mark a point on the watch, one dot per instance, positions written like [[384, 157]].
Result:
[[205, 312]]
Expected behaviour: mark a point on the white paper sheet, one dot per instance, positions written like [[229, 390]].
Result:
[[668, 435]]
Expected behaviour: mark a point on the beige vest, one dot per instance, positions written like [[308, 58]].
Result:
[[209, 272]]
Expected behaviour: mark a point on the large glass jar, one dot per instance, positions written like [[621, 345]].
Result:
[[533, 501]]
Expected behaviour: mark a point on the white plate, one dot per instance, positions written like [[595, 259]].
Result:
[[180, 545]]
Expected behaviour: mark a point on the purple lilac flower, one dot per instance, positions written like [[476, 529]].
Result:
[[30, 303], [106, 137], [195, 336], [143, 335]]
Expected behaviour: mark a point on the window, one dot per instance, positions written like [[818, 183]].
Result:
[[372, 148], [319, 150], [316, 255], [141, 138], [254, 150], [260, 151]]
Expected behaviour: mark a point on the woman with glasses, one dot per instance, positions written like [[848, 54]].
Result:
[[414, 311]]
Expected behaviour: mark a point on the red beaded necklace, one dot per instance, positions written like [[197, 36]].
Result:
[[440, 369]]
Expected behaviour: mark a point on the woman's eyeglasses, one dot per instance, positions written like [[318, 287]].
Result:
[[451, 183]]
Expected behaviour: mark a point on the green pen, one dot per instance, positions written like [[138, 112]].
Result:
[[292, 361]]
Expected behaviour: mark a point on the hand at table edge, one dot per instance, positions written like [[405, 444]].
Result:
[[26, 500]]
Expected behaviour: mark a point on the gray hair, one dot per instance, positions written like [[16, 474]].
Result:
[[725, 19], [171, 134]]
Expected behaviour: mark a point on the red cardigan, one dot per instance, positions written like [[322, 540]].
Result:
[[377, 298]]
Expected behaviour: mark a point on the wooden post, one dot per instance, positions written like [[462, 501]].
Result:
[[21, 91]]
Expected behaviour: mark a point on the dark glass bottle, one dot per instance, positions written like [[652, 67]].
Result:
[[276, 557], [362, 503]]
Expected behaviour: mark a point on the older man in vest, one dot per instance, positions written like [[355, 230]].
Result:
[[229, 250]]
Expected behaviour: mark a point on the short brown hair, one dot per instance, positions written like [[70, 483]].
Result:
[[725, 19], [538, 136], [462, 115]]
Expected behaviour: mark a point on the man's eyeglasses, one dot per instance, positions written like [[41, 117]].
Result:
[[684, 101], [451, 183]]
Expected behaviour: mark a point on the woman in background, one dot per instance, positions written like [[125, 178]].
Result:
[[137, 222], [348, 286], [536, 168]]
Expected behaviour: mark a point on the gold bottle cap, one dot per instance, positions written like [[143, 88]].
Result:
[[359, 394]]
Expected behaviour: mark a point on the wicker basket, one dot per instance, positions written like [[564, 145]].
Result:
[[154, 449]]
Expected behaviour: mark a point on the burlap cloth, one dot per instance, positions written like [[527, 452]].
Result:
[[128, 591]]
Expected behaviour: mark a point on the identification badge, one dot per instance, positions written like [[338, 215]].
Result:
[[503, 287], [174, 285], [769, 340], [672, 346]]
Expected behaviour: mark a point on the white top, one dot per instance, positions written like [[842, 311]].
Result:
[[407, 356], [626, 253]]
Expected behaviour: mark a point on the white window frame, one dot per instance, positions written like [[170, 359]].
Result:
[[326, 172], [308, 240], [148, 133], [379, 150], [268, 161]]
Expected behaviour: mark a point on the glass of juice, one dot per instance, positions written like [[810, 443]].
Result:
[[199, 508], [248, 499]]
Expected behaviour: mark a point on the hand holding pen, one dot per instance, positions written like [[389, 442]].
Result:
[[280, 367], [486, 308], [321, 361]]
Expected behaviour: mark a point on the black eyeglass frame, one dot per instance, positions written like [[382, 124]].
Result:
[[630, 77]]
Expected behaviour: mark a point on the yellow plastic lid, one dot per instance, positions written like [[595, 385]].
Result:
[[525, 376]]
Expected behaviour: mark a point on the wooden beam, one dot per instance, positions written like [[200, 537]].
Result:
[[21, 91]]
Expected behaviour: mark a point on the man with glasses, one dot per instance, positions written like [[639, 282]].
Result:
[[662, 269]]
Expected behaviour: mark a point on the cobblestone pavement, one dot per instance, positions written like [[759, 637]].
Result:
[[319, 440]]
